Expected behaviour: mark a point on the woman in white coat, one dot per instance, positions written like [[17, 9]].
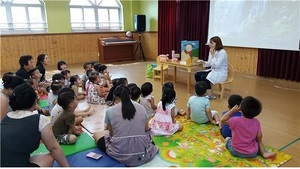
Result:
[[218, 62]]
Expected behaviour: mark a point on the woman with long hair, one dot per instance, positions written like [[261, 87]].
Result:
[[218, 62], [128, 139], [43, 60]]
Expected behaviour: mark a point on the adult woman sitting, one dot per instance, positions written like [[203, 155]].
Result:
[[128, 141], [21, 132], [218, 62], [43, 60], [10, 81]]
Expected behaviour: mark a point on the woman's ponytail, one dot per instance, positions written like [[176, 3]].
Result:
[[128, 109]]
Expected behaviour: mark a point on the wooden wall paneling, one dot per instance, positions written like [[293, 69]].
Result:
[[14, 53], [5, 54], [152, 45], [38, 46], [70, 45], [55, 46], [3, 51], [89, 48], [149, 42], [146, 43], [58, 51], [26, 45], [253, 61], [83, 47], [243, 59]]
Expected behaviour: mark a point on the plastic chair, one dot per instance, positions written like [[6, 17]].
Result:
[[157, 69], [222, 85]]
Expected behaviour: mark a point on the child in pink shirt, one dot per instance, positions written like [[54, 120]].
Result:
[[246, 140]]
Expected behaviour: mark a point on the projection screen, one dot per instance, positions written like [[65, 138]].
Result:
[[265, 24]]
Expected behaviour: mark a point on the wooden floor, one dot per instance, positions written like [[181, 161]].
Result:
[[281, 101]]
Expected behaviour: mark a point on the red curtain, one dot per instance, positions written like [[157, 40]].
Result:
[[166, 26], [279, 64], [192, 24], [182, 20]]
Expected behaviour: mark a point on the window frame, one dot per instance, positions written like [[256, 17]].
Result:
[[97, 27], [15, 30]]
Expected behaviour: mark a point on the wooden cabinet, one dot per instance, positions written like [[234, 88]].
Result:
[[115, 49]]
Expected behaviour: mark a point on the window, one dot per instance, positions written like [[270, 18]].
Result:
[[96, 15], [22, 16]]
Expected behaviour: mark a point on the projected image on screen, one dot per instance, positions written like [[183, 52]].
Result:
[[259, 23]]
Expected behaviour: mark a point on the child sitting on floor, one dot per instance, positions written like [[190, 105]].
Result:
[[64, 127], [94, 92], [116, 82], [75, 82], [105, 77], [232, 101], [67, 74], [53, 95], [147, 100], [35, 75], [61, 65], [87, 67], [199, 106], [246, 140], [135, 92], [171, 86], [163, 122], [80, 114]]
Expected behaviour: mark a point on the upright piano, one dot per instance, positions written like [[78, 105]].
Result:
[[116, 49]]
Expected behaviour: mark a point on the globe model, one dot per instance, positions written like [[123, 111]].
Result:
[[128, 34]]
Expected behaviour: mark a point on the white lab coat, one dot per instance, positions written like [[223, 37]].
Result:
[[219, 67]]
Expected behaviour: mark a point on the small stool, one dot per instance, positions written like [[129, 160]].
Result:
[[157, 69]]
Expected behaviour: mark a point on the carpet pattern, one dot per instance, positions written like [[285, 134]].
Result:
[[201, 145]]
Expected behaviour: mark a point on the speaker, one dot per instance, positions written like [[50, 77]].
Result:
[[140, 23]]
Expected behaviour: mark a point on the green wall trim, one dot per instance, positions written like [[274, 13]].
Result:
[[58, 16]]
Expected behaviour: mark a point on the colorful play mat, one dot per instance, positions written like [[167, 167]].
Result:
[[201, 145]]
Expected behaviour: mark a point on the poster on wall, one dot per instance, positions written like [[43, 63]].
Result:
[[189, 50]]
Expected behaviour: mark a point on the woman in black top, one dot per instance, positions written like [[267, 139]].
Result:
[[42, 61], [23, 128]]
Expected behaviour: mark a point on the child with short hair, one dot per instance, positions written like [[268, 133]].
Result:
[[147, 100], [35, 75], [105, 81], [86, 66], [61, 65], [88, 73], [59, 77], [135, 92], [64, 127], [80, 114], [199, 106], [67, 74], [232, 101], [74, 84], [246, 140], [116, 82], [94, 92], [163, 122], [53, 95]]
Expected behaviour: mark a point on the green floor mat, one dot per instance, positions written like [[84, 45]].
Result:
[[84, 142]]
